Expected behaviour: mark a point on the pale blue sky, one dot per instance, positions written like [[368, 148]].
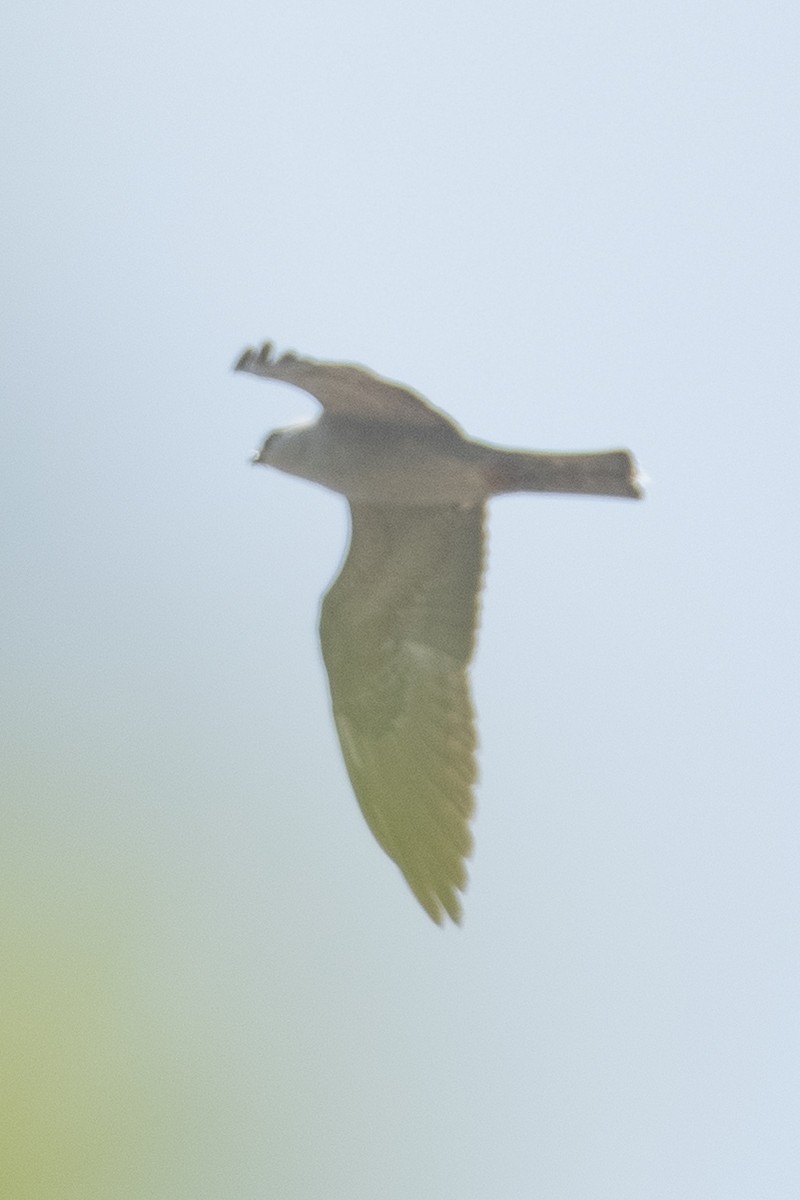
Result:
[[573, 226]]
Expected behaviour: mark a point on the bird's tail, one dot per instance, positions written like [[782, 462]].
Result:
[[606, 473]]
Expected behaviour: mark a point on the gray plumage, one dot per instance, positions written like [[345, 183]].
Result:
[[398, 624]]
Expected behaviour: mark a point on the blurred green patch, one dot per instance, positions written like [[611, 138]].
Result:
[[89, 1103]]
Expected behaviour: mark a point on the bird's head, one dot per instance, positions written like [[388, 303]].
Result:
[[263, 457]]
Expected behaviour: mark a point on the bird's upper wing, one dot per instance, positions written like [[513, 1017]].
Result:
[[345, 389], [398, 630]]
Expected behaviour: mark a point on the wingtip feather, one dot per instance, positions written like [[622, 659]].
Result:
[[255, 360]]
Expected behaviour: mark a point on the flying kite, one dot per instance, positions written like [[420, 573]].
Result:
[[398, 624]]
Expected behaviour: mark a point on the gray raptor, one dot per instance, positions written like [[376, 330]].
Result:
[[398, 624]]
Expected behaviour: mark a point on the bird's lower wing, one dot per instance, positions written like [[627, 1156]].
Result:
[[398, 630]]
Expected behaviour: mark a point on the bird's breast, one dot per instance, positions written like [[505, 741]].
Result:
[[381, 463]]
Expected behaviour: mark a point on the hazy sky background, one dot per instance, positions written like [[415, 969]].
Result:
[[572, 226]]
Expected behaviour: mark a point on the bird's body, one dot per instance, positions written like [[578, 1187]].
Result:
[[398, 624], [375, 463]]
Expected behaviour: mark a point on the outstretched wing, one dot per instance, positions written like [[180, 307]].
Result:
[[398, 631], [345, 389]]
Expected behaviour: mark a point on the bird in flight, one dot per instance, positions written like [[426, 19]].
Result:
[[398, 624]]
